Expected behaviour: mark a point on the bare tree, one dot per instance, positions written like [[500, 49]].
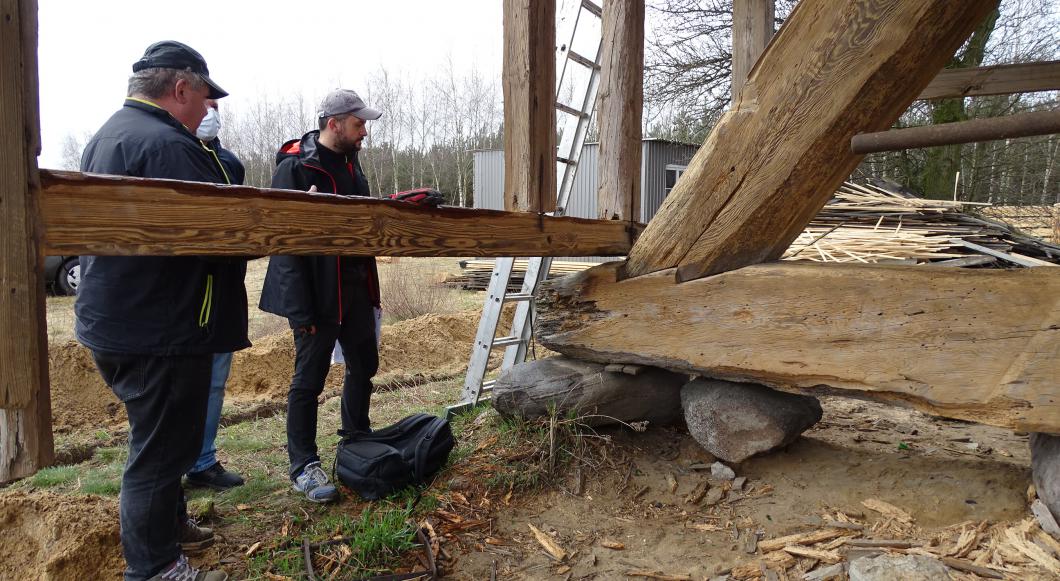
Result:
[[73, 147]]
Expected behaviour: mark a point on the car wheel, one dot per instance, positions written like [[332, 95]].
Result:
[[69, 276]]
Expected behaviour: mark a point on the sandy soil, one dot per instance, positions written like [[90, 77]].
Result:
[[59, 537], [943, 473], [852, 456], [431, 346]]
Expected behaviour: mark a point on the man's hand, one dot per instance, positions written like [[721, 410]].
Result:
[[307, 330]]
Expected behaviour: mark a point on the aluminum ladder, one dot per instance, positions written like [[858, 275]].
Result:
[[576, 87]]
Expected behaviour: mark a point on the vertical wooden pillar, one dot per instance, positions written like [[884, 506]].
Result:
[[529, 81], [25, 407], [620, 110], [752, 27]]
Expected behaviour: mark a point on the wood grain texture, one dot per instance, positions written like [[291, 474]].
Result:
[[994, 80], [25, 417], [107, 215], [619, 110], [529, 85], [976, 345], [836, 68], [752, 27]]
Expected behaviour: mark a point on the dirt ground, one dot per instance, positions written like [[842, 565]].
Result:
[[635, 503], [861, 451], [57, 537], [632, 513], [425, 348]]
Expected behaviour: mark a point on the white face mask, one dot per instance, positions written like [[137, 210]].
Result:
[[210, 125]]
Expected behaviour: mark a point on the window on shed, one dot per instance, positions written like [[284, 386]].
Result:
[[673, 173]]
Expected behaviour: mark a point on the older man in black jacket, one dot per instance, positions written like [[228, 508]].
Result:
[[325, 297], [154, 323]]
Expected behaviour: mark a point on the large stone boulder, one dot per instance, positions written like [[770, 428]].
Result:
[[735, 421], [893, 567], [1045, 469], [531, 389]]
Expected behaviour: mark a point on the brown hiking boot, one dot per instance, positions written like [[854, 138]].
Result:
[[194, 538], [180, 570]]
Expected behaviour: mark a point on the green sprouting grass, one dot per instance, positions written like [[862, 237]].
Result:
[[54, 476], [111, 455], [246, 438], [258, 485], [374, 543], [102, 484]]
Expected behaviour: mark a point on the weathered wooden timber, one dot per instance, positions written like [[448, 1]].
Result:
[[108, 215], [835, 69], [977, 345]]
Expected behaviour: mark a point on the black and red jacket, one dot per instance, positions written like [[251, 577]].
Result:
[[320, 290]]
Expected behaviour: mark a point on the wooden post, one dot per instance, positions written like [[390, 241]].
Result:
[[835, 69], [752, 27], [529, 82], [620, 110], [25, 406]]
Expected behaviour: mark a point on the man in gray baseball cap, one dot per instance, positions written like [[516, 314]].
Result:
[[326, 298], [345, 101]]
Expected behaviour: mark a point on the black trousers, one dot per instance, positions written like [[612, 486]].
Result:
[[165, 398], [312, 361]]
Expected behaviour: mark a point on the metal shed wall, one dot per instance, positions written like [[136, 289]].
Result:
[[656, 155]]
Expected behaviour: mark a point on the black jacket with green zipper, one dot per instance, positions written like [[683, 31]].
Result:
[[320, 290], [158, 305]]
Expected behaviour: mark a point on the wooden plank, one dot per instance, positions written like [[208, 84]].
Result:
[[752, 27], [994, 80], [835, 69], [977, 345], [1019, 259], [25, 420], [621, 104], [108, 215], [529, 84]]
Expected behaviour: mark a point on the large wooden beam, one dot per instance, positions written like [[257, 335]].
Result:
[[25, 406], [835, 69], [994, 80], [107, 215], [620, 110], [529, 84], [752, 27], [977, 345]]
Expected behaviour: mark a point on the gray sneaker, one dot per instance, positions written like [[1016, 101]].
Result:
[[314, 483], [180, 570]]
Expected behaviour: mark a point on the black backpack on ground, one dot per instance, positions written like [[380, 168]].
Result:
[[406, 453]]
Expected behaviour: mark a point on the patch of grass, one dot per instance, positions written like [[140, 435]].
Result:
[[54, 476], [532, 452], [111, 455], [375, 542], [284, 562], [244, 438], [101, 483], [258, 485]]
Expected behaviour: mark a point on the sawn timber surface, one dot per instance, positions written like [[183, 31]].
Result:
[[107, 215]]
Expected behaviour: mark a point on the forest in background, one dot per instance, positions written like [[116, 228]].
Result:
[[431, 127]]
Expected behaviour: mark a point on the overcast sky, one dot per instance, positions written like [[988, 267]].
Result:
[[252, 47]]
